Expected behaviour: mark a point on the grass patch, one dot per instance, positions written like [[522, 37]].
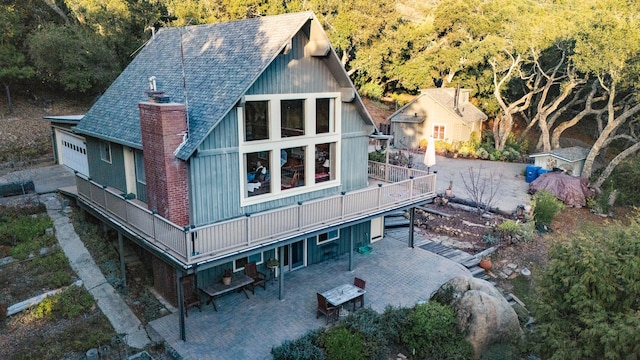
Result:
[[523, 289]]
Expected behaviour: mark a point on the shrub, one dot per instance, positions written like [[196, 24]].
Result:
[[395, 320], [304, 348], [370, 324], [377, 156], [341, 343], [588, 295], [624, 178], [546, 207], [433, 333]]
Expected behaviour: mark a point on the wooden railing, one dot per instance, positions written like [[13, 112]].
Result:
[[191, 245]]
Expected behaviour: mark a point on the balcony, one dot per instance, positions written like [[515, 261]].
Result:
[[391, 187]]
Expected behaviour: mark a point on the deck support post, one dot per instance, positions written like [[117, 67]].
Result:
[[122, 263], [351, 249], [183, 331], [281, 282], [411, 222]]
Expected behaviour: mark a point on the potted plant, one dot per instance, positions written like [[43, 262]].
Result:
[[485, 264], [448, 191], [226, 276]]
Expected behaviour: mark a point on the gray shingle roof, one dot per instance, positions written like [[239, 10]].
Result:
[[221, 61], [570, 154], [468, 112]]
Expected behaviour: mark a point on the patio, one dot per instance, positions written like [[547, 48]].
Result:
[[248, 328]]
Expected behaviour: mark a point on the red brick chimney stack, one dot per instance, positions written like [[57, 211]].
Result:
[[163, 126]]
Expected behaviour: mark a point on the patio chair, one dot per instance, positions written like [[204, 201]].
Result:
[[361, 284], [259, 279], [190, 294], [330, 312]]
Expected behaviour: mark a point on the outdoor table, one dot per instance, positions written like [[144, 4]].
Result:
[[239, 282], [342, 294]]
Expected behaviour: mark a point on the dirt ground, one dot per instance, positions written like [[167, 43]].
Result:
[[534, 255]]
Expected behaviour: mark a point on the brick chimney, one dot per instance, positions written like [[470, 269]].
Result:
[[163, 126]]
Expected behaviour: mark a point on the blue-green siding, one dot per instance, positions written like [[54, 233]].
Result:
[[214, 174], [109, 174]]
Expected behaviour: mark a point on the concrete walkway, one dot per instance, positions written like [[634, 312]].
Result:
[[123, 320]]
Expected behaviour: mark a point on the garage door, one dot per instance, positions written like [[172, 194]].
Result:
[[73, 152]]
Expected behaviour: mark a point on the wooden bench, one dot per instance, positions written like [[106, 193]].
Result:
[[239, 282]]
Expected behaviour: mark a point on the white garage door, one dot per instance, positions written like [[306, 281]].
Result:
[[73, 152]]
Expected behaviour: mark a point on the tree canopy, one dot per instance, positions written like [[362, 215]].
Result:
[[553, 65]]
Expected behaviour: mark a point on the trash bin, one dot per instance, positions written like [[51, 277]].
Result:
[[532, 173]]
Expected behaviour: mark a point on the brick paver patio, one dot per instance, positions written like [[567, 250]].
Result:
[[248, 328]]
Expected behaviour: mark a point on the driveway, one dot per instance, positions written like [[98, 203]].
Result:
[[508, 177]]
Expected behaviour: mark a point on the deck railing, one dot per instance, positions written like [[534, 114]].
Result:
[[191, 245]]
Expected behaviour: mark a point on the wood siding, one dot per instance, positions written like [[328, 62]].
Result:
[[109, 174]]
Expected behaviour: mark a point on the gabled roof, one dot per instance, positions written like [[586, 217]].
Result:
[[570, 154], [219, 61], [466, 112]]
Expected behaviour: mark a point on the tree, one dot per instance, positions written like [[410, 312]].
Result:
[[74, 58], [589, 295], [608, 47], [13, 66]]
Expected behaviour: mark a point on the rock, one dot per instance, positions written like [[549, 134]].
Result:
[[482, 312], [512, 266]]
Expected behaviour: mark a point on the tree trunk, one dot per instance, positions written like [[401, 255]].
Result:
[[613, 123], [51, 4], [7, 90], [612, 165]]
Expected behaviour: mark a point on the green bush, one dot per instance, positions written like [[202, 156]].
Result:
[[377, 156], [370, 324], [341, 343], [588, 295], [395, 320], [546, 207], [433, 333], [508, 228], [304, 348]]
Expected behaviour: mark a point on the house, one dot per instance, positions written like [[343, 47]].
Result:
[[444, 113], [238, 142], [570, 160]]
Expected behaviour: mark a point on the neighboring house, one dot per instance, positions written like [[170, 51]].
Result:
[[69, 149], [570, 160], [444, 113], [237, 142]]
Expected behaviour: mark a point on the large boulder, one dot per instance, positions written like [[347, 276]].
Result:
[[482, 311]]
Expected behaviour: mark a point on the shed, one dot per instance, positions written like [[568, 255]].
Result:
[[570, 160]]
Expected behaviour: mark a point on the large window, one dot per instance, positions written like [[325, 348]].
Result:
[[292, 118], [256, 120], [304, 154]]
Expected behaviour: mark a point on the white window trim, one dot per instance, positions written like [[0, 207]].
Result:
[[433, 131], [108, 149], [320, 243], [236, 269], [276, 142]]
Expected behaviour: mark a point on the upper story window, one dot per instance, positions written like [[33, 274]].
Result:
[[292, 118], [141, 177], [289, 144], [256, 121], [438, 132], [105, 151]]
